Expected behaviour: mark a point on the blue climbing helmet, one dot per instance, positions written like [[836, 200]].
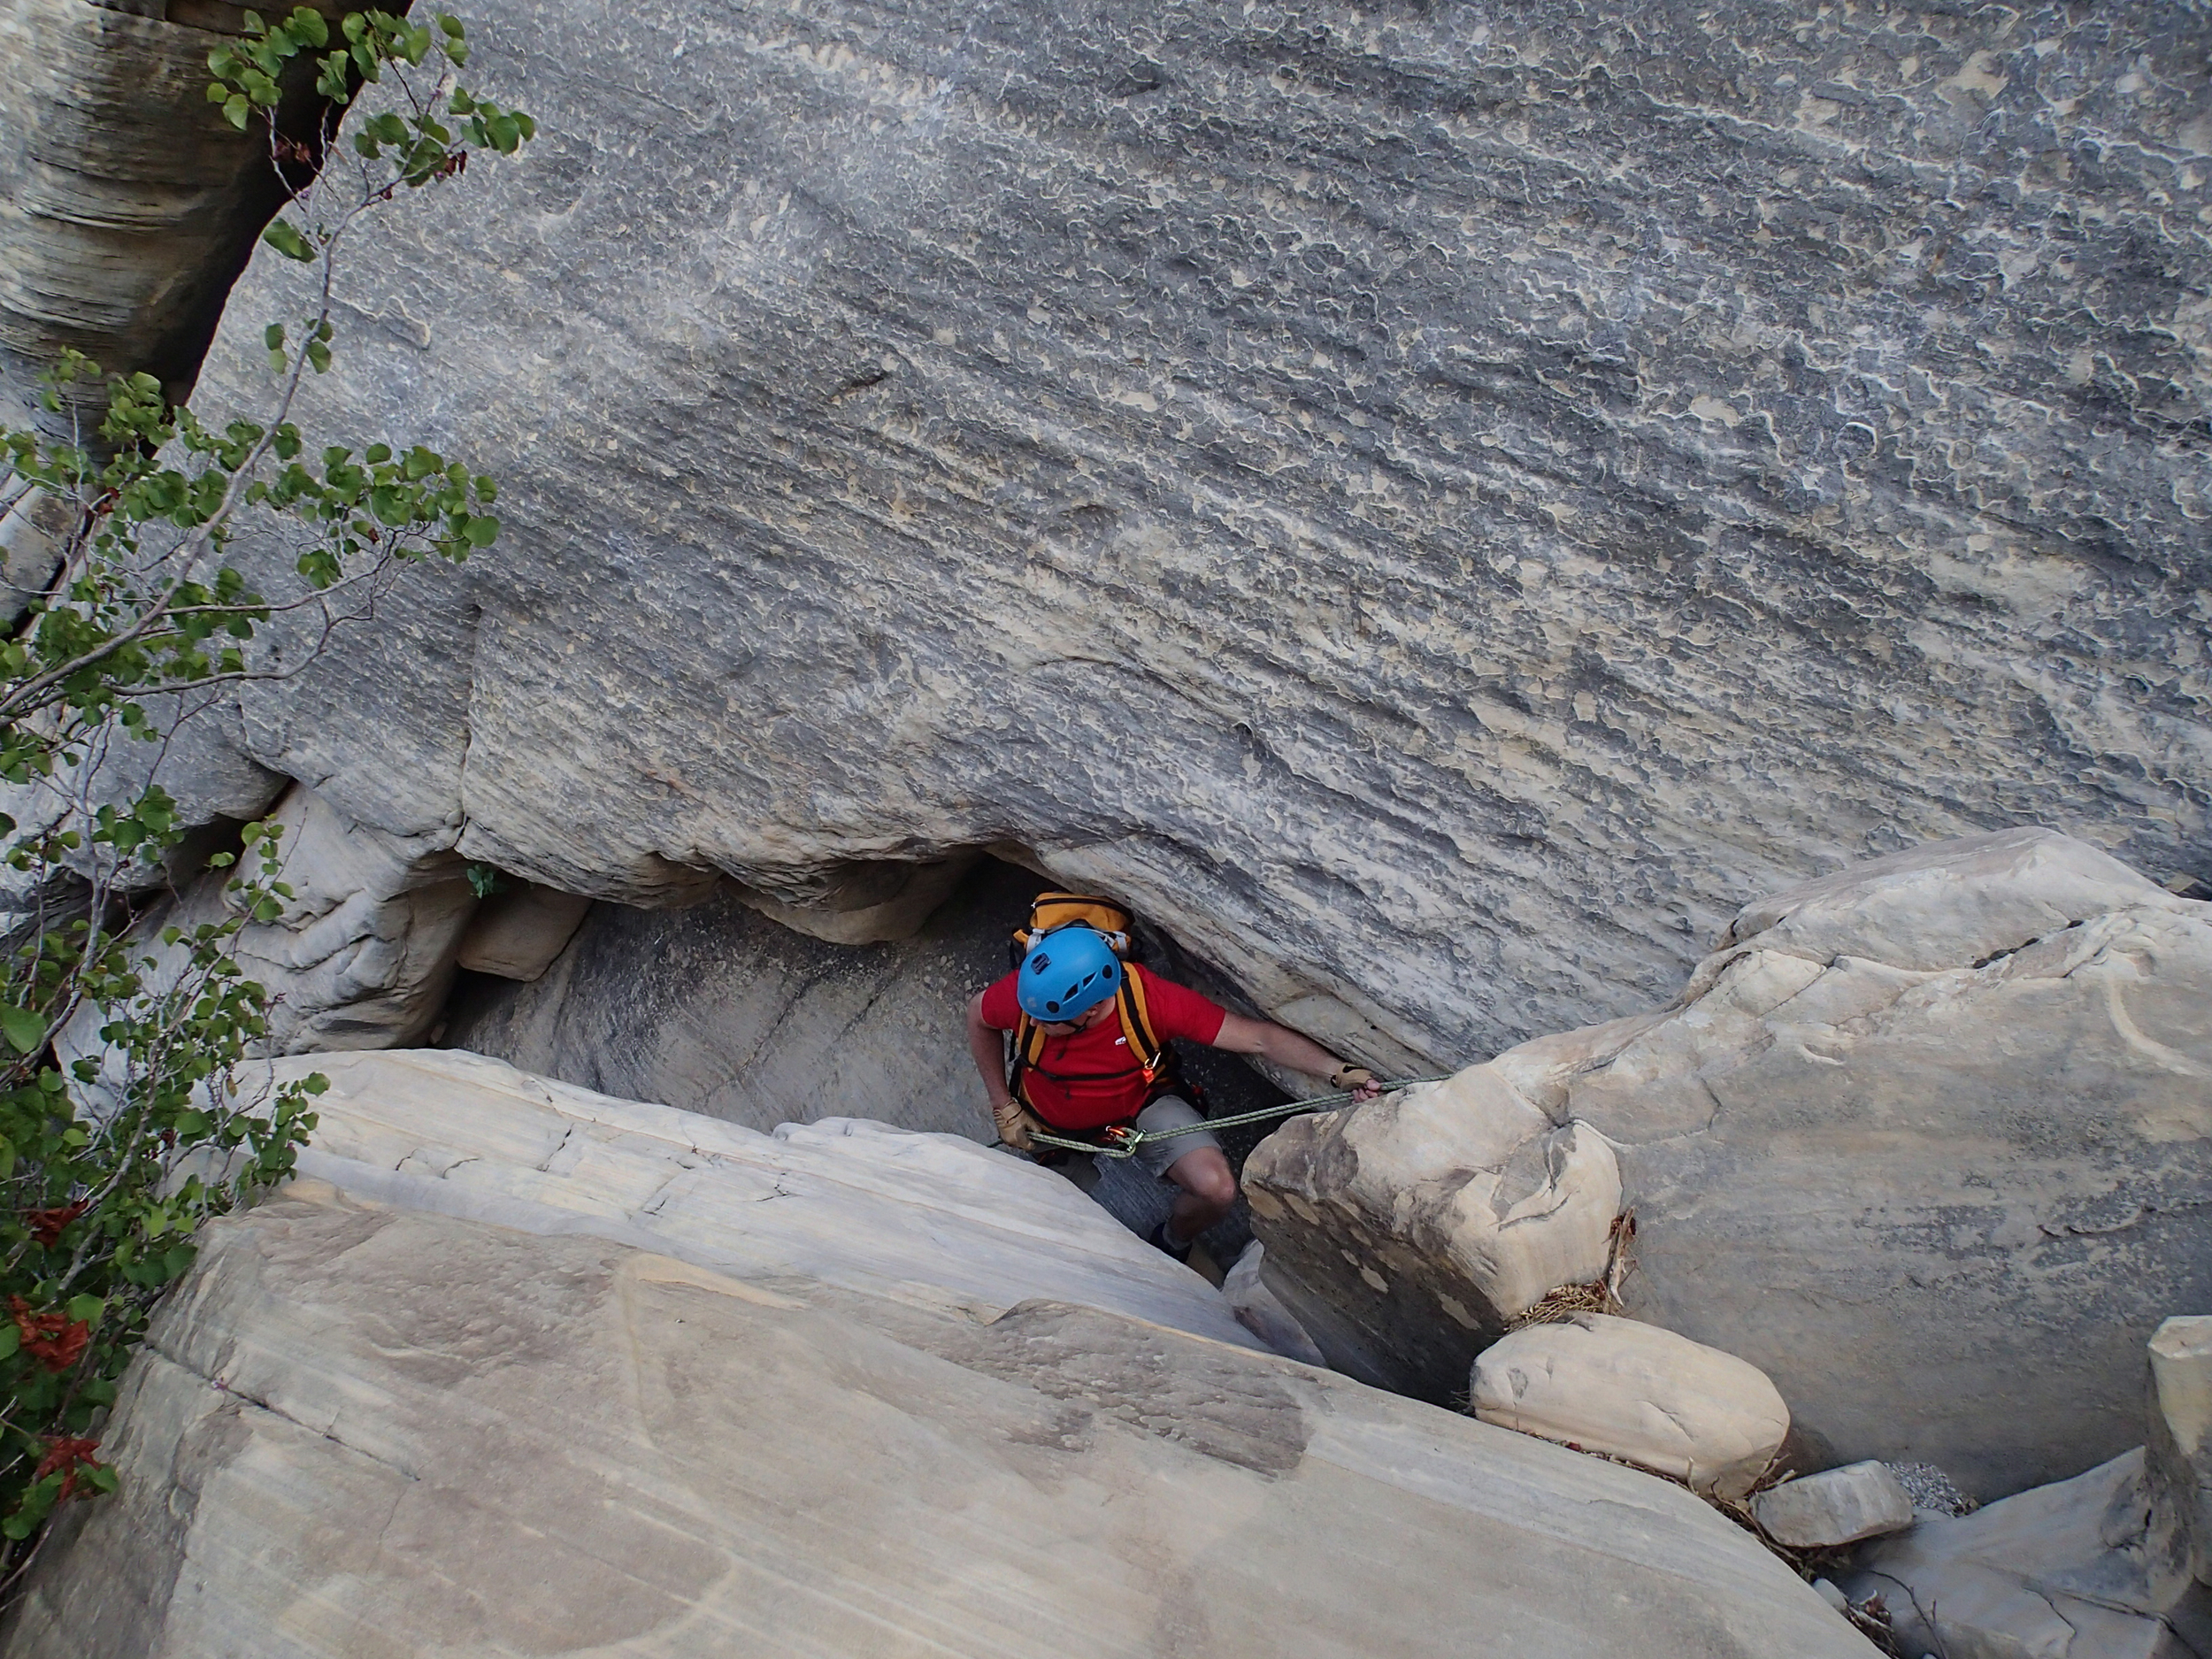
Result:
[[1066, 972]]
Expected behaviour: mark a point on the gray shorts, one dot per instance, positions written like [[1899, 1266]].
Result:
[[1169, 1111]]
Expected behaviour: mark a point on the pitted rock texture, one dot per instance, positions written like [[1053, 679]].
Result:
[[1435, 506], [1929, 1143], [395, 1431]]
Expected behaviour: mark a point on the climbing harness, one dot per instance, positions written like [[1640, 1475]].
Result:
[[1122, 1142]]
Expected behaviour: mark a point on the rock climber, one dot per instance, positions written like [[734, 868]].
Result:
[[1096, 1067]]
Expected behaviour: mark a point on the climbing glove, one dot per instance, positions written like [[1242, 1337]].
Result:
[[1350, 1076], [1015, 1122]]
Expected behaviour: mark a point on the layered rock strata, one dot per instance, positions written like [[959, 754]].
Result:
[[1928, 1142], [475, 1417], [131, 203], [1433, 507]]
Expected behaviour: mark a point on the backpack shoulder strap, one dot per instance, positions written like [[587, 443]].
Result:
[[1144, 1046], [1028, 1047]]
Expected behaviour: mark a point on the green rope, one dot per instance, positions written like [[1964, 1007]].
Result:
[[1126, 1142]]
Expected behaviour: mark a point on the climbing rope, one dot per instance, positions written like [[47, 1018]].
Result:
[[1123, 1143]]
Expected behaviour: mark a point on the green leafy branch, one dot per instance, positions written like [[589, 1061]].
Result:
[[113, 1152]]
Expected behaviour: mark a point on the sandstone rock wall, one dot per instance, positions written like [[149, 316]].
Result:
[[130, 205], [1929, 1143], [1434, 505], [398, 1429]]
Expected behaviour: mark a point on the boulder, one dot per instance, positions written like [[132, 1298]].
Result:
[[2081, 1569], [1926, 1142], [1365, 1206], [1350, 485], [517, 934], [402, 1428], [2180, 1446], [1834, 1508], [1637, 1392]]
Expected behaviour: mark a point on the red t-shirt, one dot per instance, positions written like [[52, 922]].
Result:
[[1089, 1080]]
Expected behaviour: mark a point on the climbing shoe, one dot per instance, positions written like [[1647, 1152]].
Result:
[[1158, 1240]]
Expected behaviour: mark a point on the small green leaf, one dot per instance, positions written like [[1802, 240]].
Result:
[[84, 1310], [23, 1029], [482, 532], [284, 237]]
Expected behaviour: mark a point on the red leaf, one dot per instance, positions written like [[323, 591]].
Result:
[[66, 1454], [46, 1225], [54, 1340]]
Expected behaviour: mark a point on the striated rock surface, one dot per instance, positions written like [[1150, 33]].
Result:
[[1637, 1392], [404, 1429], [1929, 1143], [1434, 506], [130, 204]]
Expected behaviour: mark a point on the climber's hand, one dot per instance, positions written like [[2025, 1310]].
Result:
[[1362, 1082], [1014, 1124]]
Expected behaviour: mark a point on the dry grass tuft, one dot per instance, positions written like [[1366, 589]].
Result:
[[1600, 1295]]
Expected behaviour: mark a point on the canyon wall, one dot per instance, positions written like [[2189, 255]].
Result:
[[1439, 508]]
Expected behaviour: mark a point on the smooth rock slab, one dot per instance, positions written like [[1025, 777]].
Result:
[[1835, 1506], [1633, 1391], [1929, 1143], [2081, 1569], [361, 1433], [849, 1202]]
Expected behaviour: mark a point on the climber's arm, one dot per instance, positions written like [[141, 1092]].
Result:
[[988, 1045], [1293, 1053]]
